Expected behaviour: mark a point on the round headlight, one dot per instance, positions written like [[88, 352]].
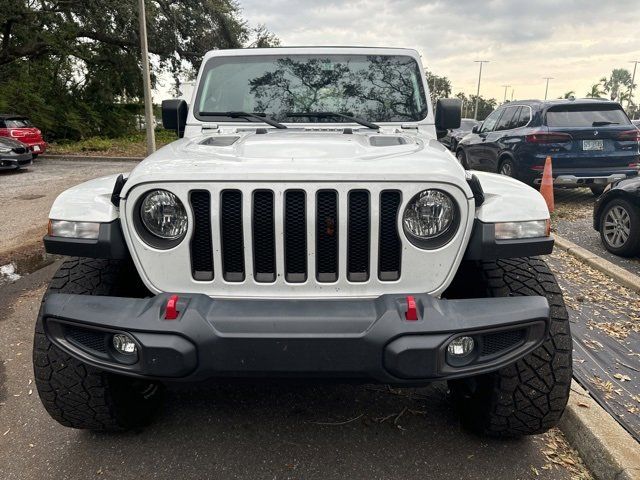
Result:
[[163, 215], [430, 218]]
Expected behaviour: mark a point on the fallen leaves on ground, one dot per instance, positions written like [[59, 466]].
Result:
[[559, 454]]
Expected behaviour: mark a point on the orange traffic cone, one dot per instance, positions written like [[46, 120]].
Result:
[[546, 187]]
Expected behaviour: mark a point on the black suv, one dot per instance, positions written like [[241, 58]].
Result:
[[591, 142]]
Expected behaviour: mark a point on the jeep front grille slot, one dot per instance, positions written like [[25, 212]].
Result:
[[264, 249], [358, 236], [201, 244], [295, 236], [390, 247], [327, 236], [231, 235]]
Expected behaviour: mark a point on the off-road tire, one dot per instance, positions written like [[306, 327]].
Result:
[[529, 396], [76, 394]]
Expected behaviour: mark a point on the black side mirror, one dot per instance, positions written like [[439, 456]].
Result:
[[448, 115], [174, 115], [475, 129]]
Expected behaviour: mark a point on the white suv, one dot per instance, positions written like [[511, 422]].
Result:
[[307, 224]]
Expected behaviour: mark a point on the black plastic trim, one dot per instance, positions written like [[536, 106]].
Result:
[[347, 338], [110, 244], [483, 245]]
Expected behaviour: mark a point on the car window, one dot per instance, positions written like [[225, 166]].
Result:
[[586, 115], [524, 117], [506, 119], [490, 121], [467, 125], [17, 123]]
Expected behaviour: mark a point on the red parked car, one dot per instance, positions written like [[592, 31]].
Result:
[[21, 128]]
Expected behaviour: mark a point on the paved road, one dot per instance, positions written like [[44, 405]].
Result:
[[26, 195], [249, 431], [574, 221]]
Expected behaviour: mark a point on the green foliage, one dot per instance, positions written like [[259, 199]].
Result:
[[485, 106], [74, 66], [439, 87]]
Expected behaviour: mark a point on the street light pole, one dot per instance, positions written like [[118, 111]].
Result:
[[146, 81], [504, 100], [546, 90], [475, 115], [633, 79]]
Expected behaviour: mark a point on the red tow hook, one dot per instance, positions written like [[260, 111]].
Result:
[[412, 310], [171, 312]]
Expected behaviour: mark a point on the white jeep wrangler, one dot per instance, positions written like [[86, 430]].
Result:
[[307, 224]]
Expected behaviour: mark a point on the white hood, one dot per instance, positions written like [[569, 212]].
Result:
[[298, 155]]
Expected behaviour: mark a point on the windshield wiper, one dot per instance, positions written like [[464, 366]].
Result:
[[257, 115], [602, 124], [360, 121]]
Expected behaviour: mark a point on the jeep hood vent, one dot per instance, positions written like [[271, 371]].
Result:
[[222, 141], [387, 141]]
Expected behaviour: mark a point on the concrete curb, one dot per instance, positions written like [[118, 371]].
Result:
[[620, 275], [606, 448], [89, 157]]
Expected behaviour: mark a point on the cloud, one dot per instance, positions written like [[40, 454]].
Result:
[[575, 41]]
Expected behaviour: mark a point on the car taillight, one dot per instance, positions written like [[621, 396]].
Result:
[[17, 133], [547, 137], [629, 136]]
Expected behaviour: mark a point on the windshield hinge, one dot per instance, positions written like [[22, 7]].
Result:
[[209, 126]]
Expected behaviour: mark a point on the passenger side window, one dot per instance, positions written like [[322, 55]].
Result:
[[490, 121], [507, 118], [524, 117]]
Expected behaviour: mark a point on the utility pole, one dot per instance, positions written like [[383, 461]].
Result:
[[512, 90], [475, 115], [146, 81], [504, 100], [633, 79], [546, 90]]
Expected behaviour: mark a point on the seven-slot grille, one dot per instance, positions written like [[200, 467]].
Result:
[[297, 221]]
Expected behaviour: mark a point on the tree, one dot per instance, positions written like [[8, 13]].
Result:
[[79, 59], [569, 94], [596, 91], [617, 84], [440, 87], [485, 106]]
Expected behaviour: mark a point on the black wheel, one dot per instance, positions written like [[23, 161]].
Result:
[[462, 158], [76, 394], [620, 228], [529, 396], [507, 168], [597, 190], [34, 156]]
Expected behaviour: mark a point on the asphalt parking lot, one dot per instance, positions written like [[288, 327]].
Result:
[[274, 430], [26, 196], [267, 430]]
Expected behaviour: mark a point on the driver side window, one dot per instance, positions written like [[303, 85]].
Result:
[[491, 121]]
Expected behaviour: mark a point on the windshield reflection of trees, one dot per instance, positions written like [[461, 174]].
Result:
[[384, 89]]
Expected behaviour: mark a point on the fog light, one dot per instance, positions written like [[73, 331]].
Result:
[[124, 344], [461, 346]]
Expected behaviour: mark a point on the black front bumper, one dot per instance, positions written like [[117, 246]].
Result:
[[357, 339]]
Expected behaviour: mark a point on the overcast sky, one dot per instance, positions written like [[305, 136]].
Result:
[[575, 41]]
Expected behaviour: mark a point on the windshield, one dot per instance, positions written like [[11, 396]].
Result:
[[588, 115], [377, 88]]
